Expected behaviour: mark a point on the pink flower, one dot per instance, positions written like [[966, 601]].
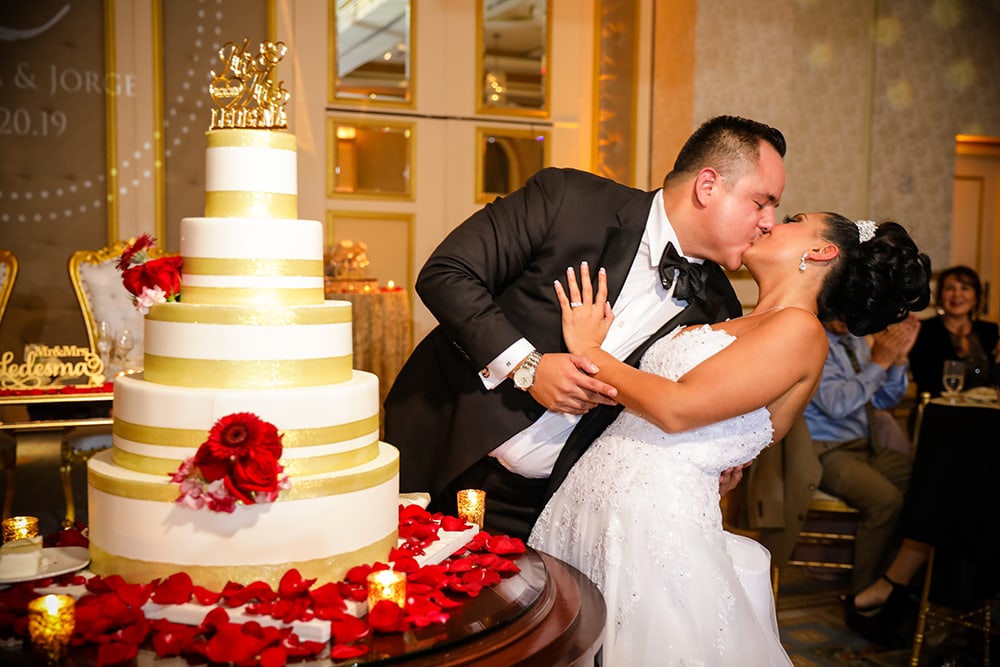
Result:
[[149, 298]]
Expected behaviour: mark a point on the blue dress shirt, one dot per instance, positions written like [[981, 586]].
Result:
[[837, 412]]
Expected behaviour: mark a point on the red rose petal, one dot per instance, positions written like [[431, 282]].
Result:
[[348, 629], [386, 616], [175, 589]]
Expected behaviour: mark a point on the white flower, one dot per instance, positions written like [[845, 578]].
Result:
[[150, 297]]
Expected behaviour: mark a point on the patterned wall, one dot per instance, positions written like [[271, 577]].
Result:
[[870, 94]]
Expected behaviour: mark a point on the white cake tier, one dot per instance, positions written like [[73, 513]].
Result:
[[252, 261], [248, 347], [324, 429], [250, 173], [323, 526]]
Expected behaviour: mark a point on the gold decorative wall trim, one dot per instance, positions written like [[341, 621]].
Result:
[[159, 152], [616, 53], [111, 122], [406, 220], [331, 66], [366, 122], [517, 173]]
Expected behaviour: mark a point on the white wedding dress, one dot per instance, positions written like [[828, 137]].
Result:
[[639, 515]]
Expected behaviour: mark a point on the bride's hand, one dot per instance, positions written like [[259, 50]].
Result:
[[586, 317]]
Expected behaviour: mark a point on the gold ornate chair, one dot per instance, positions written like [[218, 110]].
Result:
[[8, 452], [799, 524], [102, 297]]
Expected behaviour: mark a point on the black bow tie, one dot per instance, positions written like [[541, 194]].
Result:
[[690, 277]]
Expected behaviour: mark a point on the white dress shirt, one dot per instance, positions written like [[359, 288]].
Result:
[[642, 307]]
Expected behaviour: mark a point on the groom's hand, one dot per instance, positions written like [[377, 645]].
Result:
[[730, 479], [563, 383]]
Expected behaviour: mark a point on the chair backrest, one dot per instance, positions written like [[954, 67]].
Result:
[[102, 296], [8, 273]]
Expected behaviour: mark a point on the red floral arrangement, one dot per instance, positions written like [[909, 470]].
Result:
[[238, 463], [110, 614], [149, 281]]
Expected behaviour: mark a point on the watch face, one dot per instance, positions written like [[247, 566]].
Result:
[[523, 378]]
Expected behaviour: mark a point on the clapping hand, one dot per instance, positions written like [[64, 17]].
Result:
[[586, 318], [893, 345]]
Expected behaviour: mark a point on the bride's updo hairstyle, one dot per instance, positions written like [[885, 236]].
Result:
[[876, 282]]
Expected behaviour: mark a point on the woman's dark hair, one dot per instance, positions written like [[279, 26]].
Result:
[[875, 283], [966, 276]]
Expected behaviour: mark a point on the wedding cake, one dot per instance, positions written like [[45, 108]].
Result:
[[250, 346]]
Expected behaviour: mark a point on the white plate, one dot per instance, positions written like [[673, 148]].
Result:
[[55, 561], [980, 395]]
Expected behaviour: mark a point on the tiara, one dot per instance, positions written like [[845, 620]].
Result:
[[866, 230]]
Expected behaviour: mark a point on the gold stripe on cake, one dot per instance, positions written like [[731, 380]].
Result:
[[238, 204], [247, 374], [313, 465], [192, 438], [250, 139], [302, 489], [324, 570], [250, 315], [224, 296], [219, 266]]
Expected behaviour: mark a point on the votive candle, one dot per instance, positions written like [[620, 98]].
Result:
[[472, 506], [20, 528], [387, 585], [51, 619]]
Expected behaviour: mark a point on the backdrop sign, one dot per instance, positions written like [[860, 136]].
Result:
[[53, 183]]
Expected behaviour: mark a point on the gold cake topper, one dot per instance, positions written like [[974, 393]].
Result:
[[245, 90]]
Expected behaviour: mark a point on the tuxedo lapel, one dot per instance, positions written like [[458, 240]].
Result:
[[622, 243], [617, 257]]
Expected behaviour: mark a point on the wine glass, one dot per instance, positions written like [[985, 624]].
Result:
[[105, 343], [953, 377], [124, 345]]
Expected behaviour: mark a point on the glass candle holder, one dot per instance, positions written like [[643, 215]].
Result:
[[20, 528], [51, 619], [472, 506], [387, 585]]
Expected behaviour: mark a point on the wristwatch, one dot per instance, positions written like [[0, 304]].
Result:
[[524, 376]]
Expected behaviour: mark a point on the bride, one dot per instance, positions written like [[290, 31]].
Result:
[[639, 512]]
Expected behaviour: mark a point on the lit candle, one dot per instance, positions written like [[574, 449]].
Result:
[[51, 619], [472, 506], [387, 585], [20, 528]]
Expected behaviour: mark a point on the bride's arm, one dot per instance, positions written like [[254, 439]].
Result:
[[778, 359]]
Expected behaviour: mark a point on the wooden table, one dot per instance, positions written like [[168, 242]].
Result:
[[563, 627]]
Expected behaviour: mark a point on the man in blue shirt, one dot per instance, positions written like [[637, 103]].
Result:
[[870, 474]]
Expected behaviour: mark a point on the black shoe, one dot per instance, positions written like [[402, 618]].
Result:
[[879, 624]]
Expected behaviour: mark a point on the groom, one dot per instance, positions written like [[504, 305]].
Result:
[[490, 398]]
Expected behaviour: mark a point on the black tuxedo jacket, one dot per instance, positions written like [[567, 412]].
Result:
[[488, 284]]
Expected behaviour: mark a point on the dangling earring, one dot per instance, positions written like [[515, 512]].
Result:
[[802, 264]]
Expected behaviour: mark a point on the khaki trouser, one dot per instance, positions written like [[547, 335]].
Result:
[[874, 482]]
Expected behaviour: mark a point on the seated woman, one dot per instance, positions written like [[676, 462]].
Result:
[[956, 333]]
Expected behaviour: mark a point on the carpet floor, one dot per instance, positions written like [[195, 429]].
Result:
[[811, 623]]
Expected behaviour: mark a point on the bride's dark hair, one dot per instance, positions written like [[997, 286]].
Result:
[[874, 283]]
